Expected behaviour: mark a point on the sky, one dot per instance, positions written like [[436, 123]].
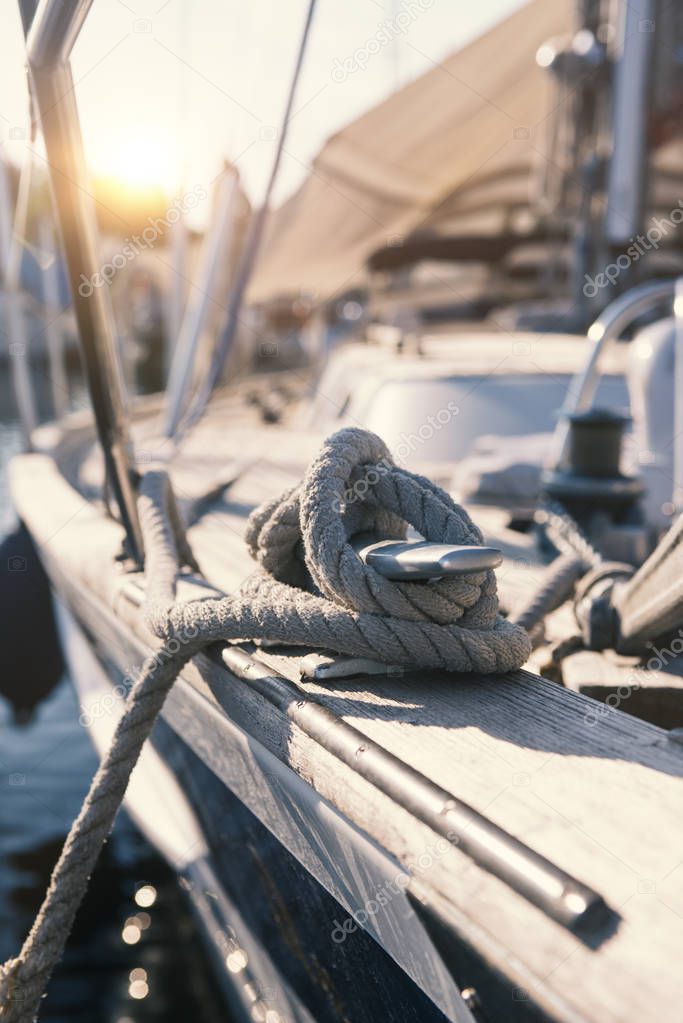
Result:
[[167, 89]]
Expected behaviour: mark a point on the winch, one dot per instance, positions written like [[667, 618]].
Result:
[[603, 500]]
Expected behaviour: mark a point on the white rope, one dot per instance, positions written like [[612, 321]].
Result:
[[311, 589]]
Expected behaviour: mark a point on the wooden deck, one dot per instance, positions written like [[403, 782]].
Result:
[[593, 789]]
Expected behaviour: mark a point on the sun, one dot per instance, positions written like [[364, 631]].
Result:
[[139, 162]]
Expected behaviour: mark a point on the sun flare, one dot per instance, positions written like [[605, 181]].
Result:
[[139, 162]]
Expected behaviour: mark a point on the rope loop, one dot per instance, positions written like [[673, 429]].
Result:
[[312, 589], [354, 486]]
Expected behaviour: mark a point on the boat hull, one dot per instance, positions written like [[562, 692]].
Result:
[[279, 939]]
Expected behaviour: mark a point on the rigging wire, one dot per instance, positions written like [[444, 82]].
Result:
[[250, 253]]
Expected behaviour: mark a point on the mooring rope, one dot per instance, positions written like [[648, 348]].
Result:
[[557, 584], [311, 589]]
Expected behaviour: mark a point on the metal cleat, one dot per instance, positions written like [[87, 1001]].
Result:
[[414, 560]]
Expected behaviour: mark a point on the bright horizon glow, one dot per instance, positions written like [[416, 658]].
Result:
[[209, 81], [139, 161]]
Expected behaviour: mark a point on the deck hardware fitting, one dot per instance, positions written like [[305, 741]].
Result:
[[415, 560], [559, 895]]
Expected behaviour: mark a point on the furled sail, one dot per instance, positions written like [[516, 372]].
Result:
[[457, 144]]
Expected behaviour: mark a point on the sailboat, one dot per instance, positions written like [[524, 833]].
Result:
[[363, 839]]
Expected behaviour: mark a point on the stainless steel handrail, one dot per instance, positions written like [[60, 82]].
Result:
[[51, 38], [54, 30], [612, 321]]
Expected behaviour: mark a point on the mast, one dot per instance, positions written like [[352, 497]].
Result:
[[627, 176]]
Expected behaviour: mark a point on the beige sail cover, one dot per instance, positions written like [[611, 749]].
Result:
[[458, 142]]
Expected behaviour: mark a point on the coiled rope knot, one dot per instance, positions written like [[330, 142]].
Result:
[[301, 542], [311, 589]]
